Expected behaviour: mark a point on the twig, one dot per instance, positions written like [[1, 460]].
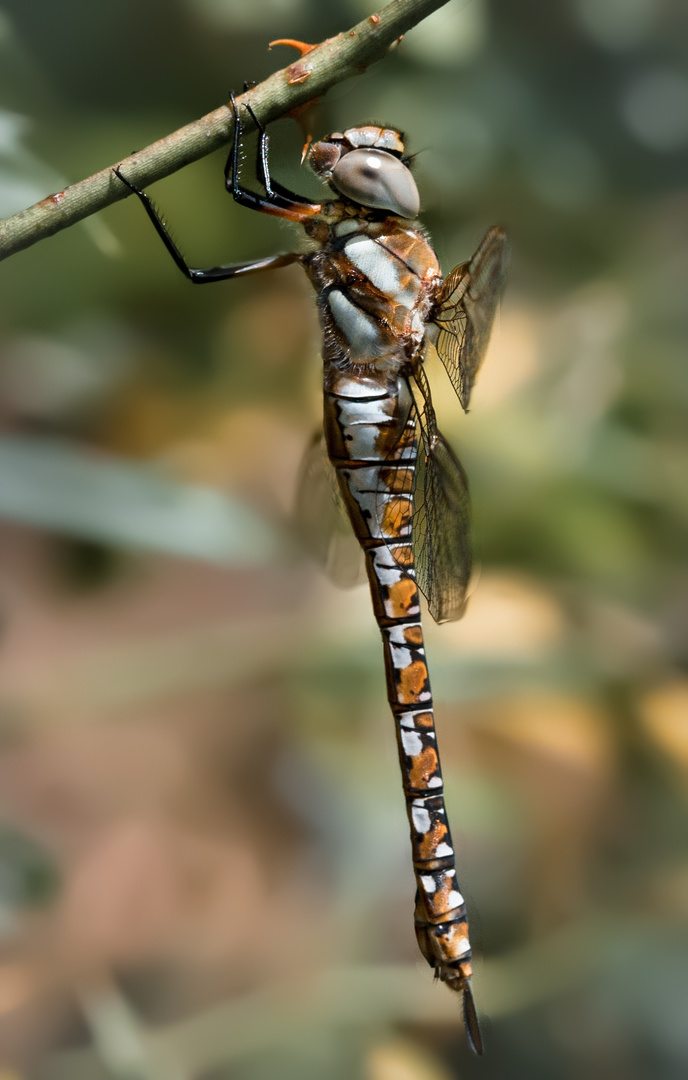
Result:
[[330, 62]]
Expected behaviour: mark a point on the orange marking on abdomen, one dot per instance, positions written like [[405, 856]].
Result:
[[440, 904], [425, 720], [413, 635], [423, 768], [406, 439], [404, 555], [396, 517], [430, 841], [397, 480], [451, 945], [413, 680], [402, 596]]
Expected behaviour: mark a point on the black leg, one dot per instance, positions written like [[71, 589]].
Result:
[[262, 163], [272, 187], [212, 273], [277, 200]]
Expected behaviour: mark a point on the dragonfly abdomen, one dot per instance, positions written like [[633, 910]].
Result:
[[441, 922], [370, 430]]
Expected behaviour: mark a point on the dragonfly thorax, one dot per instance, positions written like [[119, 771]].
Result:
[[376, 282], [365, 165]]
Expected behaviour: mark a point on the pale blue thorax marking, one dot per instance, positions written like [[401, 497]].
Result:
[[345, 228], [383, 269], [362, 333]]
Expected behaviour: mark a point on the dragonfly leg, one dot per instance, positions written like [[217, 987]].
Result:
[[212, 273], [278, 200], [272, 187]]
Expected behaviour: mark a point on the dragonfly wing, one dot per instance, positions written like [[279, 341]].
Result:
[[441, 531], [466, 309], [321, 521], [441, 525]]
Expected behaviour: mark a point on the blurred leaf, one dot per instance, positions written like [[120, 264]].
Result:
[[28, 874], [56, 486]]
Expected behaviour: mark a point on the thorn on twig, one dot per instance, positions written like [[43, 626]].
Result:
[[306, 146], [302, 47]]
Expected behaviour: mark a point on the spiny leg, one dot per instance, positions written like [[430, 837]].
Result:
[[272, 187], [204, 275], [278, 201]]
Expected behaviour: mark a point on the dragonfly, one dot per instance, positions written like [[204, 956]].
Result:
[[382, 303]]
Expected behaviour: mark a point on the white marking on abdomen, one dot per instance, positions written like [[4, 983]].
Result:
[[421, 819], [397, 635], [411, 742], [465, 945], [401, 657], [360, 387], [387, 569]]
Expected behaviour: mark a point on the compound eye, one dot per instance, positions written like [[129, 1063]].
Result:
[[376, 179]]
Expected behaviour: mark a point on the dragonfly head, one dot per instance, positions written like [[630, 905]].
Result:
[[365, 164]]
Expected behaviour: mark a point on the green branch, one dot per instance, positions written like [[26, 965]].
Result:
[[334, 60]]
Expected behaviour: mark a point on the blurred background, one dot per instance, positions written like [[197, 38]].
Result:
[[204, 869]]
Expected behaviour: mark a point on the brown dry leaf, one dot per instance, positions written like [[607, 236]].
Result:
[[557, 754], [512, 358], [146, 888], [251, 450], [19, 982], [402, 1059], [664, 713], [64, 786], [272, 329], [145, 418], [569, 731], [509, 616]]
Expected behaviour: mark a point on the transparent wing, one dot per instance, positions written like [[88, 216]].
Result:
[[466, 309], [441, 518], [321, 521]]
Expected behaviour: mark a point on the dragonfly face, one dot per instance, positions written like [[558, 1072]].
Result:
[[365, 165], [381, 299]]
